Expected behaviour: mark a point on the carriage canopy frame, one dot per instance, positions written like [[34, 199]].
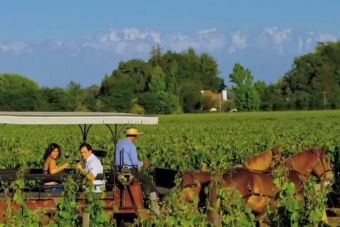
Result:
[[83, 119]]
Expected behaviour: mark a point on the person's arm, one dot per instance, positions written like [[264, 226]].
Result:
[[46, 164], [96, 168], [53, 168], [134, 157], [118, 155], [86, 173]]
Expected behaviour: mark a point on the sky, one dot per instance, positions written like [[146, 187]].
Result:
[[55, 42]]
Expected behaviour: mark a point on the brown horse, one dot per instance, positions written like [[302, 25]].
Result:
[[312, 161], [264, 160], [194, 181], [193, 184], [258, 188]]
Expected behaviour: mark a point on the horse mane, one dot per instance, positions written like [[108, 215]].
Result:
[[304, 156], [314, 151]]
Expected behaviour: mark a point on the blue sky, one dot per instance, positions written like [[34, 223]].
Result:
[[54, 42]]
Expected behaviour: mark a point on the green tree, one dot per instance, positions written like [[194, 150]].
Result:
[[260, 86], [158, 99], [314, 80], [53, 99], [76, 95], [157, 82], [155, 55], [161, 102], [209, 73], [137, 70], [117, 92], [247, 97], [190, 97], [18, 93], [91, 102]]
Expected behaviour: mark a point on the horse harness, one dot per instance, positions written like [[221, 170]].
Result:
[[250, 189], [322, 176], [325, 171]]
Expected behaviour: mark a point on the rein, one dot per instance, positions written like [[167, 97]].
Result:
[[325, 171], [251, 193], [190, 185]]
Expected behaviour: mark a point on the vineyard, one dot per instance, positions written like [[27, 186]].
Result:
[[209, 142]]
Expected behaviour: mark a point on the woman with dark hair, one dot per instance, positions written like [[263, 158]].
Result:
[[52, 153]]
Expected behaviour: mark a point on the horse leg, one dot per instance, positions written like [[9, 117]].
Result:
[[214, 208], [257, 204], [191, 195], [263, 221], [187, 194]]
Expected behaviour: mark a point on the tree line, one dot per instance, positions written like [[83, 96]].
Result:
[[172, 82]]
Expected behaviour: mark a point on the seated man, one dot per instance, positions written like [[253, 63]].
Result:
[[93, 167], [126, 155]]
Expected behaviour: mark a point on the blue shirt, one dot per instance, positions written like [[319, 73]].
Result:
[[126, 154]]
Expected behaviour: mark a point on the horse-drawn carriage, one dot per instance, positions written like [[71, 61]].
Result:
[[123, 197]]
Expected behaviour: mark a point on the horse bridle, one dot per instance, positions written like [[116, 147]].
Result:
[[190, 185], [325, 171]]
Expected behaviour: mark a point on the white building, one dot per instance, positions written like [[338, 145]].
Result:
[[224, 95]]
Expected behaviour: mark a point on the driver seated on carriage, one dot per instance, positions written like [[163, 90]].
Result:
[[127, 158]]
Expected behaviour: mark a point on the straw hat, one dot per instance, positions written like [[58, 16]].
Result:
[[132, 132]]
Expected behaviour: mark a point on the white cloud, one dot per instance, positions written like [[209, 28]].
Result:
[[155, 36], [326, 38], [300, 44], [308, 41], [277, 37], [13, 47], [202, 41], [209, 39], [121, 48], [134, 34], [142, 40], [110, 36], [206, 31], [130, 41], [214, 43], [126, 40], [238, 41], [180, 42], [143, 47]]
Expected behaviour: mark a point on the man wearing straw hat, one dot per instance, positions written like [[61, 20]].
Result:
[[126, 155]]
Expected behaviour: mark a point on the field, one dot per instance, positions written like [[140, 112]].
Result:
[[217, 141], [213, 141]]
